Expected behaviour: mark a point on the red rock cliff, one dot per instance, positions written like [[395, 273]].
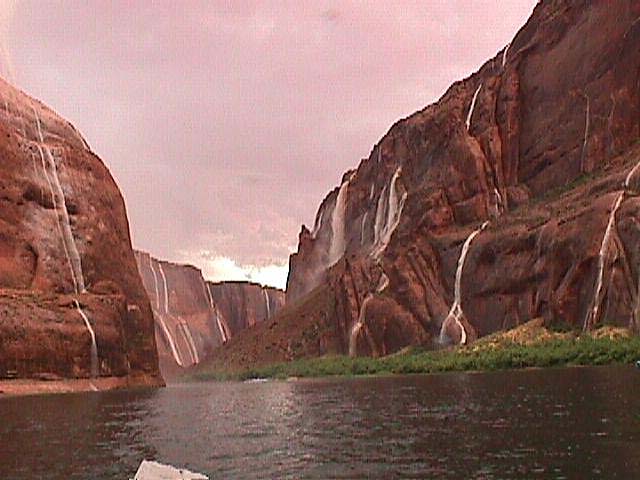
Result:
[[515, 196], [538, 144], [194, 317], [71, 300]]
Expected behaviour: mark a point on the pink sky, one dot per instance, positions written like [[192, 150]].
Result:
[[226, 123]]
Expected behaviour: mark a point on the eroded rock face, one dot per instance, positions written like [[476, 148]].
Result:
[[538, 143], [245, 304], [194, 317], [65, 251]]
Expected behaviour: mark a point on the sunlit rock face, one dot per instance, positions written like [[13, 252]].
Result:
[[65, 254], [538, 143], [193, 317]]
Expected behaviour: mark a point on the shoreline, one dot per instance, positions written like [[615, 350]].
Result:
[[22, 387], [478, 357]]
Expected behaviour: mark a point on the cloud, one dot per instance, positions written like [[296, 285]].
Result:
[[7, 13], [226, 123], [219, 268]]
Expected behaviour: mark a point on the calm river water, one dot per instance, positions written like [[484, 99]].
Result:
[[558, 423]]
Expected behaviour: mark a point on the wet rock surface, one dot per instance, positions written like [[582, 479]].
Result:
[[64, 238], [538, 142]]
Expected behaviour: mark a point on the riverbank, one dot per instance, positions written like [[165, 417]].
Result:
[[26, 386], [530, 345]]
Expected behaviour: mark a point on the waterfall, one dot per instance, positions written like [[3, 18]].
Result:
[[499, 202], [630, 175], [504, 54], [172, 345], [50, 171], [355, 329], [337, 247], [224, 334], [592, 315], [191, 345], [384, 231], [383, 283], [362, 227], [166, 291], [318, 224], [266, 302], [155, 282], [456, 312], [472, 107], [94, 346], [378, 224], [585, 142]]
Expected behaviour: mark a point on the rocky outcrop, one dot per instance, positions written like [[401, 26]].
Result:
[[71, 300], [194, 317], [514, 197]]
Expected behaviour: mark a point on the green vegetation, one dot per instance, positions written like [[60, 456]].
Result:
[[554, 352]]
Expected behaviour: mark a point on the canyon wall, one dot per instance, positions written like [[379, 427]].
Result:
[[71, 300], [513, 197], [194, 317]]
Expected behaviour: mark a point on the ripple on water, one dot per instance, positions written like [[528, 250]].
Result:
[[532, 424]]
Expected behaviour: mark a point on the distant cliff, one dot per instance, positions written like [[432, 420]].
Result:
[[193, 317], [71, 300], [513, 197]]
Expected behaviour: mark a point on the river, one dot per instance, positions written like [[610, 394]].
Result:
[[551, 423]]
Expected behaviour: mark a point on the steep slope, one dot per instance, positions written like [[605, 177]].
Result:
[[515, 196], [71, 300], [194, 317]]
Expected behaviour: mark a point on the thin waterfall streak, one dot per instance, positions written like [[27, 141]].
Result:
[[355, 329], [383, 283], [167, 334], [318, 224], [472, 107], [592, 317], [166, 291], [504, 54], [191, 342], [155, 282], [62, 214], [585, 142], [337, 246], [223, 333], [54, 200], [362, 227], [94, 346], [265, 293], [180, 330], [630, 175], [384, 231], [456, 312]]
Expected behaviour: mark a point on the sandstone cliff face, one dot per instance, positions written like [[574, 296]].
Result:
[[194, 317], [71, 300], [558, 109], [515, 196], [244, 304]]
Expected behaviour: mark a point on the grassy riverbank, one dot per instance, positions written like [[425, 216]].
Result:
[[509, 350]]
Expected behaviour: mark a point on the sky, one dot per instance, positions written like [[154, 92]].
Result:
[[225, 123]]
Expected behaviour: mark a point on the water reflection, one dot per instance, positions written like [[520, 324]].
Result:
[[570, 423]]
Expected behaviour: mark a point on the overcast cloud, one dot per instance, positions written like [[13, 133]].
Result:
[[226, 123]]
